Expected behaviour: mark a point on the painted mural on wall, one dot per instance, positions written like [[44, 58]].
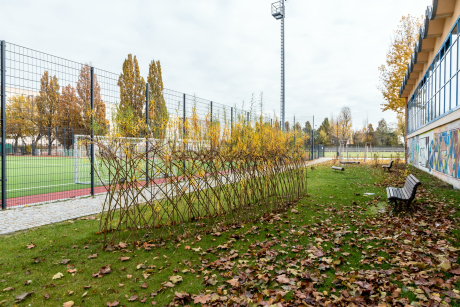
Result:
[[424, 152], [446, 153], [438, 152]]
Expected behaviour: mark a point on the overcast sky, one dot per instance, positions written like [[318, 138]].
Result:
[[225, 50]]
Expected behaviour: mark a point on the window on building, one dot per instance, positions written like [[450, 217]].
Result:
[[454, 59], [454, 34], [436, 80], [448, 74], [437, 92], [442, 73], [436, 107], [447, 98]]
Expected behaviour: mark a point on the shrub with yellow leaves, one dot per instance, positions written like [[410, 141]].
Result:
[[203, 175]]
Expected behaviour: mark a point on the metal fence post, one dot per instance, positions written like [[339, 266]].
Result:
[[92, 131], [147, 111], [183, 127], [3, 119], [231, 121], [65, 144], [211, 112], [295, 130], [313, 140], [49, 141]]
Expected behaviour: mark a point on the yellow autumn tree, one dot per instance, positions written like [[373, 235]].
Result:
[[17, 124], [398, 56], [100, 122], [158, 113], [132, 96], [47, 106], [25, 109], [345, 124], [70, 117]]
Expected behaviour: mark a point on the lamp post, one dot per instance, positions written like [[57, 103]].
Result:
[[278, 12]]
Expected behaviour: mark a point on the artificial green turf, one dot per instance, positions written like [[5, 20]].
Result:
[[34, 175]]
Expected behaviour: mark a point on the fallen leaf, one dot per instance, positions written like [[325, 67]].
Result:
[[103, 271], [283, 279], [68, 304], [133, 298], [30, 246], [124, 258], [115, 303], [456, 271], [176, 278], [23, 296], [169, 284], [92, 256], [234, 282], [58, 276], [201, 299], [445, 266]]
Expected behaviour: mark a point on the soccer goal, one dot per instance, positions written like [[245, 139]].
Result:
[[82, 155]]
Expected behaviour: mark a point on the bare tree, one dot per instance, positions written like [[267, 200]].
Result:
[[345, 123]]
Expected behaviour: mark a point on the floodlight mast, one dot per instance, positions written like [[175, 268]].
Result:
[[278, 11]]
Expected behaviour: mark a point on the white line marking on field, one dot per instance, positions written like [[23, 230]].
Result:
[[45, 164], [46, 186]]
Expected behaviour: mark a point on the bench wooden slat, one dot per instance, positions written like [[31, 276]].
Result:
[[407, 193], [390, 192], [388, 167]]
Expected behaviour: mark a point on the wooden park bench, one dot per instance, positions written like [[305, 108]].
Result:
[[405, 195], [336, 168], [388, 167]]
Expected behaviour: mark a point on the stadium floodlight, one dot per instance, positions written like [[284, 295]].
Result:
[[278, 11]]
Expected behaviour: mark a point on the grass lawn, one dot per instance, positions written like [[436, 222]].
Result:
[[335, 247]]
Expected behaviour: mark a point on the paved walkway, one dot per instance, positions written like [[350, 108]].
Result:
[[17, 219]]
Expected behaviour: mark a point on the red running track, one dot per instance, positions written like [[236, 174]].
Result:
[[41, 198]]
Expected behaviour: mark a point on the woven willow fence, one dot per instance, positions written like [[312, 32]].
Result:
[[203, 176]]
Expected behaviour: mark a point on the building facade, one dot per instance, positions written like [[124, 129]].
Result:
[[431, 88]]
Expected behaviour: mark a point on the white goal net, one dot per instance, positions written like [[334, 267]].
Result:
[[82, 155]]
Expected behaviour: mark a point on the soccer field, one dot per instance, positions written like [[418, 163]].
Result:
[[38, 175], [34, 175]]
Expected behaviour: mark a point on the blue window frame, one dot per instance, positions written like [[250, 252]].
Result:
[[437, 92]]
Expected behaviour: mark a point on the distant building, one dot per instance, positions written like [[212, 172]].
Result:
[[431, 88]]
